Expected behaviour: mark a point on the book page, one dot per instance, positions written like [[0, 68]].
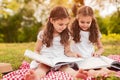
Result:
[[93, 63], [50, 61], [107, 60], [38, 57]]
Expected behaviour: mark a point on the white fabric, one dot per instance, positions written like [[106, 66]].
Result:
[[56, 50], [33, 64], [84, 47]]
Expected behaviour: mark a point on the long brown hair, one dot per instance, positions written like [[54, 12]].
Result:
[[56, 13], [75, 29]]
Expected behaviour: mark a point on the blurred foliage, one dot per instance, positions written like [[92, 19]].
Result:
[[114, 24], [111, 43], [20, 20], [9, 27], [109, 24], [20, 27], [113, 38], [102, 22]]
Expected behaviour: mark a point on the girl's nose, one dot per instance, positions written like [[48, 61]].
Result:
[[63, 27], [85, 24]]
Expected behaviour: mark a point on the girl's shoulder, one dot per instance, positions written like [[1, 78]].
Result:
[[40, 35], [99, 35], [41, 32]]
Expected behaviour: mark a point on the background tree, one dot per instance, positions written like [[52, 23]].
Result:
[[76, 5], [20, 24], [20, 20], [114, 23]]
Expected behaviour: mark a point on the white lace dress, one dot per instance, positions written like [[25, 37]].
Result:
[[85, 47], [56, 50]]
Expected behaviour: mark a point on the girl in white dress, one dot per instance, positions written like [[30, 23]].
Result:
[[85, 33], [52, 42]]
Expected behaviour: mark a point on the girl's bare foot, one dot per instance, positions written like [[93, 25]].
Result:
[[30, 75], [102, 72], [82, 74], [106, 72]]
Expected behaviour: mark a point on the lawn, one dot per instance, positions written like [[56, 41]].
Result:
[[14, 52]]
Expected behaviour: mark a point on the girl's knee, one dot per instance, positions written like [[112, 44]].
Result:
[[44, 67]]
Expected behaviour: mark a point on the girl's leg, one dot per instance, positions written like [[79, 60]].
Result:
[[38, 73], [84, 74], [102, 72], [76, 74]]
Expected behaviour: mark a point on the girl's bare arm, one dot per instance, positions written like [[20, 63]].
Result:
[[69, 53], [100, 48], [38, 46]]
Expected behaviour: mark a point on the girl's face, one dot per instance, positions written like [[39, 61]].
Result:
[[60, 24], [85, 22]]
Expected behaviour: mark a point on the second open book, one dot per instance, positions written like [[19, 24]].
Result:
[[84, 63]]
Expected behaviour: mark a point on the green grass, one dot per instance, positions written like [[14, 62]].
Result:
[[111, 44], [14, 52]]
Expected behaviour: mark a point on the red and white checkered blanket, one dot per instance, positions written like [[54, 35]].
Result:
[[19, 74], [116, 57]]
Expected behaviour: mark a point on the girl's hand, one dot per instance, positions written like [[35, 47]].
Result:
[[96, 54], [76, 55]]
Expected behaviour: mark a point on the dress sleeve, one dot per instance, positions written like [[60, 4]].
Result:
[[99, 35], [40, 35]]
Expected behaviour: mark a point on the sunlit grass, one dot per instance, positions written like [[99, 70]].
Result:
[[111, 44], [14, 52]]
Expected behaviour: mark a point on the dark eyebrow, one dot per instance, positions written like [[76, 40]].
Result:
[[67, 24]]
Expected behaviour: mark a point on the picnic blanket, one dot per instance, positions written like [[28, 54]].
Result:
[[19, 74], [117, 58], [58, 75]]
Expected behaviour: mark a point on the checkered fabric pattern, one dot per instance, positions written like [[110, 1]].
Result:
[[116, 57], [57, 76], [19, 74], [24, 68], [15, 75]]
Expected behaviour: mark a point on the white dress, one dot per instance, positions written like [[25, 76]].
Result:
[[85, 47], [56, 50]]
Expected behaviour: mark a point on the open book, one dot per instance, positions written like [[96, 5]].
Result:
[[95, 62], [53, 62], [84, 63]]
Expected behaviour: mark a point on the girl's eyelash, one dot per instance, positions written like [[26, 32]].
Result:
[[60, 24], [84, 22], [81, 21], [66, 24], [88, 22]]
